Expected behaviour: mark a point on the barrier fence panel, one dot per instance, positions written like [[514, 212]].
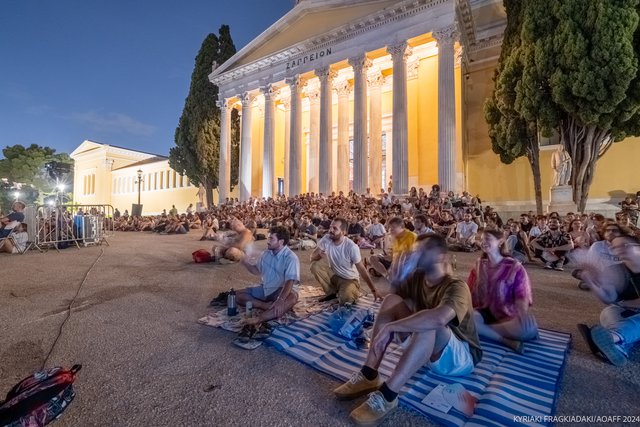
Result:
[[62, 226]]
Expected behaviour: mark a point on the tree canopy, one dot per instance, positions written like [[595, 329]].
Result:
[[36, 167], [575, 70], [511, 135], [197, 136]]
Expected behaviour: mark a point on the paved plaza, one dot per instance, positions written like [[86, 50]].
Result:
[[147, 362]]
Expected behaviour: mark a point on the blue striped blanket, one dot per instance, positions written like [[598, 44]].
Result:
[[509, 387]]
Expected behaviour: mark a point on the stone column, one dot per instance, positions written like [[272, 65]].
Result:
[[343, 87], [446, 38], [268, 180], [376, 80], [295, 145], [245, 147], [325, 157], [400, 171], [224, 174], [285, 100], [313, 93], [360, 65]]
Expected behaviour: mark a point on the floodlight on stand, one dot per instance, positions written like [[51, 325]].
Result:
[[51, 203], [61, 187], [17, 195]]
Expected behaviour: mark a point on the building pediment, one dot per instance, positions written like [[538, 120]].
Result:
[[313, 27], [309, 20]]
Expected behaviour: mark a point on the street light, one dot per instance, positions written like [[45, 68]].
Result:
[[60, 189], [139, 182], [136, 210]]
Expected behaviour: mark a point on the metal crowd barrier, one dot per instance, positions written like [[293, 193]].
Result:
[[61, 226]]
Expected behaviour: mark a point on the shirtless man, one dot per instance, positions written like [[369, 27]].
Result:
[[233, 249]]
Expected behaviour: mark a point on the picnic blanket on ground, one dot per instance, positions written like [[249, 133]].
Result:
[[307, 305], [506, 385]]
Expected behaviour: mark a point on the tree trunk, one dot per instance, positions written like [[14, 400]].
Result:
[[533, 154], [209, 191], [585, 145]]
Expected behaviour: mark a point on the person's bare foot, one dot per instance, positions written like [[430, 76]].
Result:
[[515, 345]]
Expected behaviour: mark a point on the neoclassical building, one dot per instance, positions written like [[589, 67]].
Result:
[[108, 175], [354, 94]]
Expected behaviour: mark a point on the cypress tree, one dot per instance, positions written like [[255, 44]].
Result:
[[197, 136], [511, 135]]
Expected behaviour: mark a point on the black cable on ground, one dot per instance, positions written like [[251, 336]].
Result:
[[69, 307]]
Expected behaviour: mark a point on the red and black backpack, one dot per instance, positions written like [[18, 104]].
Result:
[[39, 399]]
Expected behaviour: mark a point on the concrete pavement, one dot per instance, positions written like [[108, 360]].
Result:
[[146, 362]]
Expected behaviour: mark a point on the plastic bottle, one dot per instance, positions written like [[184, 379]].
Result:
[[232, 308], [249, 309], [454, 263]]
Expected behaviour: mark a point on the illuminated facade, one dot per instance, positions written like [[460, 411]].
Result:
[[106, 174], [340, 95]]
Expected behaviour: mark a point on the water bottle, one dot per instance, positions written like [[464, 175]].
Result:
[[249, 309], [232, 308]]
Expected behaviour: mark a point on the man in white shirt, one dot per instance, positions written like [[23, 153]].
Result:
[[340, 276], [466, 232]]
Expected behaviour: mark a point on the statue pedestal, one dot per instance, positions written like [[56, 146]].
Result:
[[561, 200], [200, 207]]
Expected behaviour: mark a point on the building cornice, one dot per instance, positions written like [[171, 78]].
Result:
[[402, 10]]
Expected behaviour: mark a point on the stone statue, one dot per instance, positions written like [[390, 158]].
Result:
[[561, 164], [202, 192]]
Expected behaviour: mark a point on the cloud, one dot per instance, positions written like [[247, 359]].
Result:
[[114, 122]]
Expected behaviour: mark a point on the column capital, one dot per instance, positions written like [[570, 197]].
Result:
[[447, 35], [293, 82], [312, 91], [343, 87], [247, 99], [458, 55], [325, 73], [401, 50], [268, 91], [413, 63], [375, 78], [221, 103], [359, 63]]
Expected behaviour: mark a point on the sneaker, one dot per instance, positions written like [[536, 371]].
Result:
[[358, 385], [548, 265], [558, 267], [263, 331], [247, 332], [585, 331], [373, 410], [224, 261], [604, 341], [221, 299]]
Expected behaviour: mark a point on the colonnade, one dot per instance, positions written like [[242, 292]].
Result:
[[367, 126]]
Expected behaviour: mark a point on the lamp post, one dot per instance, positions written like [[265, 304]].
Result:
[[139, 172], [60, 188], [136, 210]]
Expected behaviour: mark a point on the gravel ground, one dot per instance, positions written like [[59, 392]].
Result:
[[146, 362]]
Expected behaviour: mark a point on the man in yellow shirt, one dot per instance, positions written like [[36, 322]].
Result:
[[402, 241]]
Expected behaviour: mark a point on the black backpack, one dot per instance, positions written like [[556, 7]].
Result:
[[39, 399]]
